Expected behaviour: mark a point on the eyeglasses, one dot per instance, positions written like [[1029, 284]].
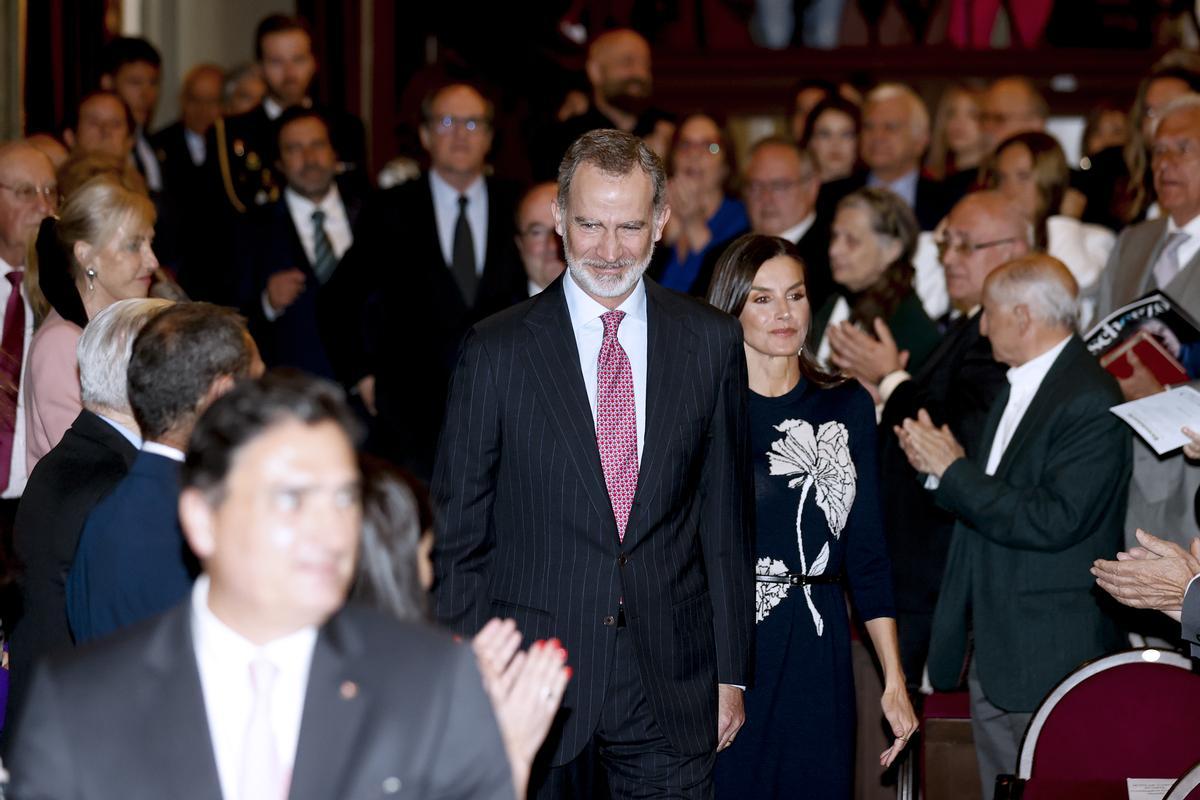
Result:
[[27, 192], [444, 125], [1185, 150], [966, 249], [774, 187], [693, 146]]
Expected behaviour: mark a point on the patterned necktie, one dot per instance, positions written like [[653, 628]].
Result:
[[324, 260], [464, 254], [12, 349], [262, 776], [616, 422], [1167, 265]]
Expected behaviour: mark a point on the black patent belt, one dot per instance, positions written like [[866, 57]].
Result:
[[798, 579]]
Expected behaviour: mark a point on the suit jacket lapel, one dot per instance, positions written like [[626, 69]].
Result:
[[668, 352], [428, 223], [178, 707], [992, 425], [287, 223], [334, 708], [554, 361], [1043, 401], [1138, 282]]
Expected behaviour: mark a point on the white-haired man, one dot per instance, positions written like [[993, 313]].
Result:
[[1036, 505]]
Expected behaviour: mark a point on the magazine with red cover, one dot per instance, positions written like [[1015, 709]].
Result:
[[1158, 330]]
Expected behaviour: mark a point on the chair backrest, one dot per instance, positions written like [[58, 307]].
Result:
[[1187, 787], [1134, 714]]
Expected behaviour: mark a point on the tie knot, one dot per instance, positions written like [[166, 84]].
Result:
[[262, 675], [14, 277], [462, 202], [318, 217], [612, 321]]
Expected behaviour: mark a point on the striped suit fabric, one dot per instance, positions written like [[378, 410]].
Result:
[[526, 529]]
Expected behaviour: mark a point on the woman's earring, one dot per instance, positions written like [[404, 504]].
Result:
[[91, 279]]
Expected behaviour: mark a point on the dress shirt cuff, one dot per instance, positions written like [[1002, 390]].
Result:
[[890, 382], [932, 482], [735, 685], [268, 311]]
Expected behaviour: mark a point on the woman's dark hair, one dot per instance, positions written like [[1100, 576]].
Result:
[[890, 217], [832, 102], [392, 526], [734, 275], [726, 148], [1050, 173]]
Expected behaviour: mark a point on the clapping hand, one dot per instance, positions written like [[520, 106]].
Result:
[[863, 356], [929, 449], [1155, 575]]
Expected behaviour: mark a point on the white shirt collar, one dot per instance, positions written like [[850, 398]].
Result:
[[6, 268], [1032, 372], [209, 631], [164, 450], [584, 309], [131, 436], [795, 233], [1192, 228], [446, 194], [303, 208]]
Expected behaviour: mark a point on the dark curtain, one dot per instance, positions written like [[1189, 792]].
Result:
[[64, 40], [336, 45]]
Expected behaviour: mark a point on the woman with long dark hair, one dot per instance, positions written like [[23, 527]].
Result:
[[819, 532]]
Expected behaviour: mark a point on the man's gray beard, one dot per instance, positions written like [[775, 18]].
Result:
[[608, 283]]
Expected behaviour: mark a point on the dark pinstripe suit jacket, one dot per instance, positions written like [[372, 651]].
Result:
[[527, 530]]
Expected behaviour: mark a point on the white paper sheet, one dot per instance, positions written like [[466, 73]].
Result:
[[1148, 788], [1159, 418]]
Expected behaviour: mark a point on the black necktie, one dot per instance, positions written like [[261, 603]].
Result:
[[324, 259], [464, 254]]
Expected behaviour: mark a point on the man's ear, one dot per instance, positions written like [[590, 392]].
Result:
[[423, 133], [660, 222], [106, 82], [559, 222], [1024, 318], [196, 518], [69, 138]]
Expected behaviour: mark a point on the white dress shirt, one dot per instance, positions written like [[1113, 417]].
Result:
[[445, 213], [905, 187], [1023, 381], [195, 145], [589, 335], [795, 233], [18, 472], [223, 659], [149, 162], [164, 450]]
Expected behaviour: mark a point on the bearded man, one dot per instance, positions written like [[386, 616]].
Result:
[[592, 482]]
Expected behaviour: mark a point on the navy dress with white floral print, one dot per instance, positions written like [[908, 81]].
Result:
[[817, 502]]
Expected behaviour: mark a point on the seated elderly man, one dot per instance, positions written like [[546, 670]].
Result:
[[1041, 499], [93, 456]]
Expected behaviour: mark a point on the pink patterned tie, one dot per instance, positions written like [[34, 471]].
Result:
[[616, 422], [262, 775]]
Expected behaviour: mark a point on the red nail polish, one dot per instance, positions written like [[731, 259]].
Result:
[[569, 672], [555, 643], [457, 638]]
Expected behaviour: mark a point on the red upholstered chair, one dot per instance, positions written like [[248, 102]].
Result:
[[1187, 787], [1134, 714]]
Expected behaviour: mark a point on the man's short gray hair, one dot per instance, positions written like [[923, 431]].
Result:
[[918, 112], [1042, 284], [104, 350], [614, 153], [1184, 102]]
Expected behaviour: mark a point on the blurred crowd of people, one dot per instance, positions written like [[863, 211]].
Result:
[[911, 285]]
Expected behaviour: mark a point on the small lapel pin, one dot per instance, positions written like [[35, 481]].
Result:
[[391, 785], [348, 690]]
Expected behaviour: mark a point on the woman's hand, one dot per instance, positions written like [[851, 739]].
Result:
[[898, 711], [1192, 449]]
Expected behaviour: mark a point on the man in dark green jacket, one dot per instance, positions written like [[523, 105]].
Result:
[[1044, 498]]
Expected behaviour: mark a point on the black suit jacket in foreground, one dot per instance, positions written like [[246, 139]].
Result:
[[527, 529], [65, 486], [394, 310], [386, 701]]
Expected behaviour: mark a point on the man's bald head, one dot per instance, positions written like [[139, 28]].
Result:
[[200, 100], [983, 231], [618, 67], [1010, 106], [28, 194]]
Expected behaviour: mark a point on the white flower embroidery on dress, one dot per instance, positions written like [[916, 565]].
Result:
[[818, 461], [768, 595]]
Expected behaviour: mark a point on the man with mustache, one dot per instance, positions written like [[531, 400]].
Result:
[[288, 250], [618, 68], [592, 483]]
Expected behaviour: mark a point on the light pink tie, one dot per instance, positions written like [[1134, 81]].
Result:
[[616, 422], [262, 775]]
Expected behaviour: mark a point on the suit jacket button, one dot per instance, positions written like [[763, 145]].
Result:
[[610, 621], [622, 559]]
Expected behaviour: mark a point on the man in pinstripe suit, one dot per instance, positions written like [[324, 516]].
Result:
[[593, 482]]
